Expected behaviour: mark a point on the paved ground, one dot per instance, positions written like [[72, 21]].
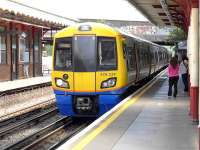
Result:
[[155, 122], [9, 85]]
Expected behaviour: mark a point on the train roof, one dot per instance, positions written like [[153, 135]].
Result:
[[138, 38], [100, 28]]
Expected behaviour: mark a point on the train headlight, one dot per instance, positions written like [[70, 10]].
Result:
[[61, 83], [111, 82]]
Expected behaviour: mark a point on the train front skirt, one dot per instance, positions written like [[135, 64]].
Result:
[[87, 104]]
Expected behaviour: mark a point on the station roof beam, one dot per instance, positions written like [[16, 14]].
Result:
[[166, 12]]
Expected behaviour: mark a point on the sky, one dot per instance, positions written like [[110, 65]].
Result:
[[90, 9]]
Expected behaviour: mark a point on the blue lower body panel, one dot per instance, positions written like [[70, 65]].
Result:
[[65, 104], [105, 101]]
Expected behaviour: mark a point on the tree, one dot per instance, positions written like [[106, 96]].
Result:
[[177, 35], [48, 49]]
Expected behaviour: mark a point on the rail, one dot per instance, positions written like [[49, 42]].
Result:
[[28, 109], [30, 139], [25, 122], [23, 89]]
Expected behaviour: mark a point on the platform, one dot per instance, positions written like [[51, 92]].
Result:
[[13, 103], [147, 121], [23, 83]]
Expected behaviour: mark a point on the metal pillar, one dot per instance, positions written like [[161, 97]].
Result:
[[199, 76], [189, 65], [194, 60]]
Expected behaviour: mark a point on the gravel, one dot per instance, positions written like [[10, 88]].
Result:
[[26, 131]]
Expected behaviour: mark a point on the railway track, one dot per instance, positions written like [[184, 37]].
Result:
[[51, 136], [26, 122], [33, 137], [12, 131], [59, 129], [22, 89], [67, 137], [57, 137], [15, 114]]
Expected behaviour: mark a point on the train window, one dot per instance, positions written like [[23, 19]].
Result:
[[144, 55], [84, 53], [152, 56], [107, 57], [63, 54], [124, 50], [131, 58]]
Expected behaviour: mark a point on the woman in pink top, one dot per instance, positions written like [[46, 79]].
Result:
[[173, 74]]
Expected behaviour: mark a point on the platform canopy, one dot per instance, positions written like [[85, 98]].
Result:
[[15, 11], [166, 12]]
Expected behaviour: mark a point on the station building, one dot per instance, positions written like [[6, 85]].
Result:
[[21, 35]]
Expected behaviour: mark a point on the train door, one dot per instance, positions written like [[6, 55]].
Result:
[[84, 60], [146, 60], [142, 61], [154, 59], [137, 56], [131, 61], [125, 55], [149, 59], [160, 58], [134, 61], [157, 58]]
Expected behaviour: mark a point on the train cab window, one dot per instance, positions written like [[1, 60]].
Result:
[[84, 52], [63, 54], [107, 56]]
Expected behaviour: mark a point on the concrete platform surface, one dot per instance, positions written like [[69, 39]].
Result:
[[10, 85], [154, 122]]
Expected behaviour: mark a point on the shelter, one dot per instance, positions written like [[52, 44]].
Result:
[[21, 34]]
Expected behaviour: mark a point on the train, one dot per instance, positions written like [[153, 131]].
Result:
[[94, 64]]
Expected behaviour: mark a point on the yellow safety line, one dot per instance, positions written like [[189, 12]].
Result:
[[107, 122]]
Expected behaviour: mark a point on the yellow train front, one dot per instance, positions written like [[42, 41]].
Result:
[[94, 64], [89, 73]]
